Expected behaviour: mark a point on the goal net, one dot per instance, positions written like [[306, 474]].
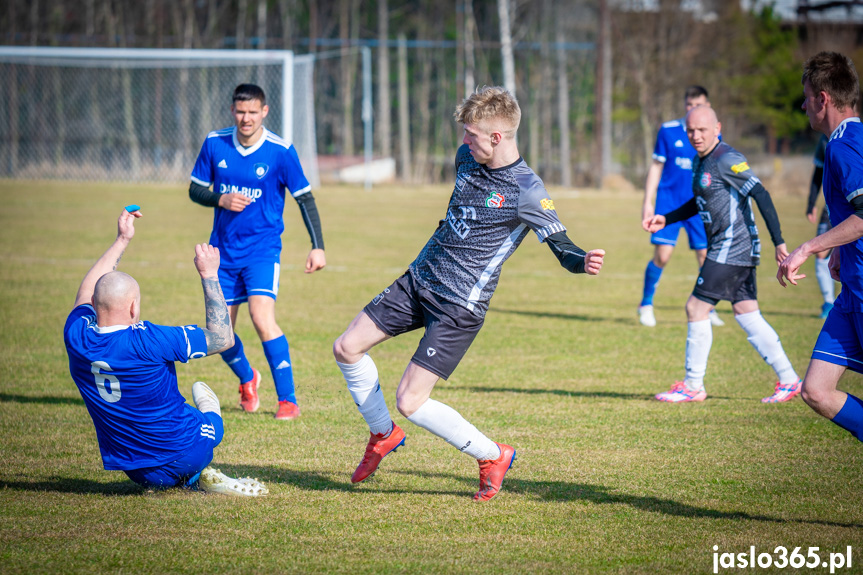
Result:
[[140, 115]]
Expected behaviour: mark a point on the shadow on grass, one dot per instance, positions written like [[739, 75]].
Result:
[[47, 399], [567, 316], [561, 392], [552, 491], [75, 485], [568, 393]]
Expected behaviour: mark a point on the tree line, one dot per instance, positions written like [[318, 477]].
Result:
[[429, 54]]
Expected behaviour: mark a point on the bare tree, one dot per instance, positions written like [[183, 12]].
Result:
[[506, 46], [405, 167], [384, 115]]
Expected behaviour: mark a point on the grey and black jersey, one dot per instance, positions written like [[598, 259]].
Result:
[[489, 214], [721, 183]]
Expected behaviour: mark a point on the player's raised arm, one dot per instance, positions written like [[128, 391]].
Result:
[[219, 333], [111, 258]]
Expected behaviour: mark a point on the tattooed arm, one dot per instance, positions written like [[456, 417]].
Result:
[[110, 259], [219, 332]]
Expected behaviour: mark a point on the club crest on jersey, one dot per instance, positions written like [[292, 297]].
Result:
[[546, 204], [741, 167], [494, 200], [705, 180], [261, 170]]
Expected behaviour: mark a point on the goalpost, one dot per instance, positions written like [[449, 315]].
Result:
[[140, 115]]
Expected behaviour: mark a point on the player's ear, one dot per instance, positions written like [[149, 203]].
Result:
[[264, 111]]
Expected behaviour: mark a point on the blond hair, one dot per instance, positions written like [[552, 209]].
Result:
[[490, 103]]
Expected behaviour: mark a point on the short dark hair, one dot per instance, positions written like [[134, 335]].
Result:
[[835, 74], [695, 91], [246, 92]]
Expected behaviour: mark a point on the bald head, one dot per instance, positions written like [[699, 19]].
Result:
[[703, 129], [116, 299]]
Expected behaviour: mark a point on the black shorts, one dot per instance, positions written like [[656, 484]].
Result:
[[824, 223], [725, 282], [449, 328]]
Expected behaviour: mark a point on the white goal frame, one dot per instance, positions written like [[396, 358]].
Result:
[[138, 58]]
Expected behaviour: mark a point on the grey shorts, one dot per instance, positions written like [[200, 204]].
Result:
[[449, 328]]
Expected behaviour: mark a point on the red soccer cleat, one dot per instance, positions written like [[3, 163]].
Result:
[[287, 410], [378, 448], [492, 471], [249, 401]]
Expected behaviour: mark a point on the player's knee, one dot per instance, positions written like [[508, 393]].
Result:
[[406, 405], [813, 395], [344, 352]]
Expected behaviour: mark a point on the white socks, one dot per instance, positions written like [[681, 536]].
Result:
[[449, 425], [699, 339], [825, 282], [364, 387], [766, 342]]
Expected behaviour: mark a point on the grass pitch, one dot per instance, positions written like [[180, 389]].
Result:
[[607, 480]]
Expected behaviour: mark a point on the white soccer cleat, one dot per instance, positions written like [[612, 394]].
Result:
[[645, 315], [214, 481], [205, 399], [715, 319]]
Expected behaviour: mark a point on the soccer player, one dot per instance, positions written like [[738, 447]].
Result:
[[249, 168], [723, 186], [669, 180], [831, 89], [822, 269], [124, 369], [496, 201]]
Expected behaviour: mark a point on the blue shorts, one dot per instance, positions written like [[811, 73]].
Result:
[[694, 231], [260, 278], [839, 340], [186, 469]]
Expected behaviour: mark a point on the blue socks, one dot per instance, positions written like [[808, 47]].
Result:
[[850, 417], [279, 357], [651, 279], [235, 357]]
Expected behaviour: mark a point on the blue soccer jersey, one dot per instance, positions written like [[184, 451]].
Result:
[[674, 150], [843, 181], [260, 172], [127, 378]]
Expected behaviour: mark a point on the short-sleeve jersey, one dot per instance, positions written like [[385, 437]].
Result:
[[675, 152], [260, 172], [843, 181], [721, 183], [489, 214], [127, 378]]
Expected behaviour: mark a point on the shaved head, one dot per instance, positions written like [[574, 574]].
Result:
[[703, 129], [116, 296]]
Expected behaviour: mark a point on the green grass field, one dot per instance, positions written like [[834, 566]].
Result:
[[607, 480]]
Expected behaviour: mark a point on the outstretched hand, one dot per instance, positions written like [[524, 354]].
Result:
[[789, 267], [593, 262], [207, 260], [653, 224]]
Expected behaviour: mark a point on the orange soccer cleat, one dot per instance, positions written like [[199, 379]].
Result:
[[287, 410], [378, 448], [249, 393], [492, 471]]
